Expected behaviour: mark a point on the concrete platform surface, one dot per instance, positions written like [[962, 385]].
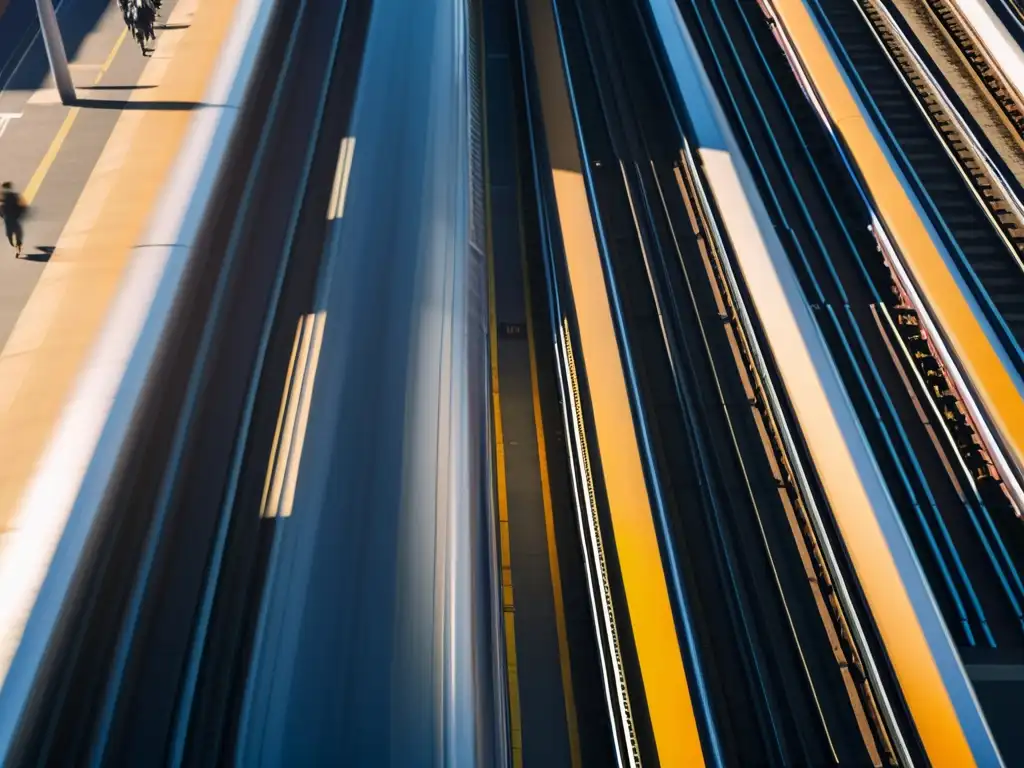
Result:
[[91, 174]]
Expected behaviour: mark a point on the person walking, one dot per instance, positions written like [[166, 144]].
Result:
[[12, 208], [139, 17]]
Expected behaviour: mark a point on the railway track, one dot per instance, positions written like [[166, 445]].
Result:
[[962, 139], [956, 514], [1008, 101], [555, 677], [970, 207], [955, 439], [606, 580], [819, 568], [755, 581], [976, 213]]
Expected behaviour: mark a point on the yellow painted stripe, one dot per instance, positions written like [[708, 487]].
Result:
[[569, 695], [663, 675], [507, 594], [905, 642], [568, 692], [32, 189], [982, 365], [508, 601], [110, 56], [51, 154], [666, 689]]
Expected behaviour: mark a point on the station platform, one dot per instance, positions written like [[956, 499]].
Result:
[[91, 174]]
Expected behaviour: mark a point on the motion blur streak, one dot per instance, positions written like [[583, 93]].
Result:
[[279, 496], [374, 645], [341, 176]]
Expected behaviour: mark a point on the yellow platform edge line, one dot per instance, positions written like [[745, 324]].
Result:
[[508, 597], [508, 603], [43, 169]]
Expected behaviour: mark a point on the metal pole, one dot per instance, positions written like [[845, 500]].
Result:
[[55, 51]]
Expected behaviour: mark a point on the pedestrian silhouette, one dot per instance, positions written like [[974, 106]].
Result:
[[139, 17], [12, 209]]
